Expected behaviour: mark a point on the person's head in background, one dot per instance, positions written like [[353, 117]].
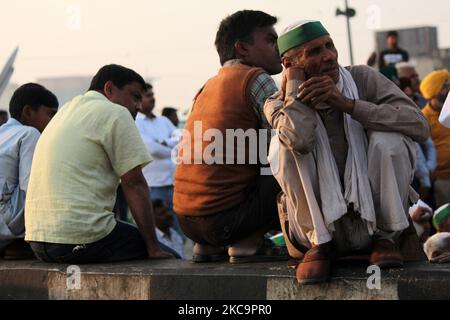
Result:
[[148, 101], [33, 105], [171, 114], [392, 39], [3, 117], [120, 85], [441, 218], [163, 219], [435, 87], [407, 70], [406, 86], [250, 36], [437, 248]]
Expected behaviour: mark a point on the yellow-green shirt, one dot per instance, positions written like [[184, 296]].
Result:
[[79, 159]]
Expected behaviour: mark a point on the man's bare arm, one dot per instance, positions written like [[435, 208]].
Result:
[[136, 192]]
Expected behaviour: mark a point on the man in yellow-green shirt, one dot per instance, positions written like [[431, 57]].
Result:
[[89, 147]]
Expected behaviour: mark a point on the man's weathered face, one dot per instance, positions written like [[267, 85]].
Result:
[[318, 57], [263, 50], [148, 102], [130, 96]]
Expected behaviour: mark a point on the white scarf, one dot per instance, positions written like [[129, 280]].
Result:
[[334, 202], [444, 117]]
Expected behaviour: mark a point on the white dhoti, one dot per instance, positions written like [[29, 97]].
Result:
[[390, 172]]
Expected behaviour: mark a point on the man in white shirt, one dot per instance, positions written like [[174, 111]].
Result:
[[158, 134], [165, 232], [31, 107], [90, 146], [171, 114]]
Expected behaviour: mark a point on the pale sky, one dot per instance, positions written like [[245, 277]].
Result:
[[172, 41]]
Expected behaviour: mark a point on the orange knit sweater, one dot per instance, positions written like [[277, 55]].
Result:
[[223, 103]]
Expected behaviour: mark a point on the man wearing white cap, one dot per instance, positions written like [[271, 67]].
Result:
[[343, 154], [437, 248], [441, 218]]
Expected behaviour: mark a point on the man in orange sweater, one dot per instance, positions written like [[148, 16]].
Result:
[[220, 195], [435, 88]]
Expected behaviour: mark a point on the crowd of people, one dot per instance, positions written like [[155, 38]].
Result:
[[359, 161]]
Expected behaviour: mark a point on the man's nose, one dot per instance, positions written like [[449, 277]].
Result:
[[329, 55], [139, 106]]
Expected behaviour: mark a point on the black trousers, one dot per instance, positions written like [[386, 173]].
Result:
[[123, 243], [259, 210]]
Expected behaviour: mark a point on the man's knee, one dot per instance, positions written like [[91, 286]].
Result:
[[390, 144]]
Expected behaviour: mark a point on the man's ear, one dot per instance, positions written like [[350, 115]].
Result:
[[241, 50], [108, 89], [26, 114]]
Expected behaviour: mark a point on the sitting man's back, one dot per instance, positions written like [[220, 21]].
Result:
[[32, 107], [91, 145], [72, 174]]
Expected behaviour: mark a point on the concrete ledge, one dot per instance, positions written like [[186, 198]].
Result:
[[171, 279]]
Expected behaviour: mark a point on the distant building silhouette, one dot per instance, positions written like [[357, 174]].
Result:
[[65, 88], [6, 96]]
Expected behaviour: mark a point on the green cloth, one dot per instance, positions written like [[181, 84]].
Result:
[[278, 239], [300, 35], [440, 214]]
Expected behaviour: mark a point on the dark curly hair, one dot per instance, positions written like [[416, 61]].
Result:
[[239, 27]]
